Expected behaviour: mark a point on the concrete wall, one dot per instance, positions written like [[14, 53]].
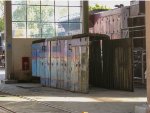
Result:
[[21, 48], [148, 49]]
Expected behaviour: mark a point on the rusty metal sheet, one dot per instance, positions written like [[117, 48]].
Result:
[[84, 66], [75, 62], [47, 63], [134, 10], [62, 63], [65, 64], [34, 59], [73, 66], [53, 63], [58, 65], [111, 24], [79, 65], [42, 64], [69, 60], [125, 13], [38, 59], [107, 24]]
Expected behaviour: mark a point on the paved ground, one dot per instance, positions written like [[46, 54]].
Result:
[[32, 98], [49, 100], [2, 74]]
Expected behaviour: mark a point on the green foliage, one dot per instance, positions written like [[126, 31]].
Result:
[[35, 26], [98, 7], [1, 24], [1, 16]]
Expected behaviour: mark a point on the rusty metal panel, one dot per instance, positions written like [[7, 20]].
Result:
[[125, 13], [58, 66], [53, 63], [111, 24], [84, 66], [38, 59], [62, 63], [80, 65], [74, 71], [42, 64], [134, 10], [115, 23], [47, 63], [75, 64], [107, 25], [69, 68], [34, 59], [65, 64], [137, 8]]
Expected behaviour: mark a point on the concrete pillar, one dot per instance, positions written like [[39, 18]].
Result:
[[148, 49], [8, 39], [85, 16]]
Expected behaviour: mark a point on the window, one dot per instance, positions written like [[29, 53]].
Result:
[[45, 18]]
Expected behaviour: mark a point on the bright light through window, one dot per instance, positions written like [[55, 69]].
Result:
[[45, 18]]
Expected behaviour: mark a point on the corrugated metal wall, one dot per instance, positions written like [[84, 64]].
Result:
[[75, 63]]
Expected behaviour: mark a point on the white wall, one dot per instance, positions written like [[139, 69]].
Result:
[[21, 48]]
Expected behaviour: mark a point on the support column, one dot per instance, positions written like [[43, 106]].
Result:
[[8, 41], [85, 16], [147, 17]]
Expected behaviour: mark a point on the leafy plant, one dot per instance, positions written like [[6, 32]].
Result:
[[1, 16], [98, 7]]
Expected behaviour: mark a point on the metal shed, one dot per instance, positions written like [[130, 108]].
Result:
[[76, 62]]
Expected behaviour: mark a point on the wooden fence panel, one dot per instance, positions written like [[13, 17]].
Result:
[[117, 64]]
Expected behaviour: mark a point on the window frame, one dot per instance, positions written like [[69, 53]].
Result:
[[55, 22]]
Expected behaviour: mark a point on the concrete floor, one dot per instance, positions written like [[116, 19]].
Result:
[[2, 74], [36, 99], [32, 98]]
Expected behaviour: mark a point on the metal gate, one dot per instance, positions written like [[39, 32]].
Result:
[[117, 64]]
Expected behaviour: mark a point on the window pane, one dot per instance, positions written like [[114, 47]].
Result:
[[61, 3], [18, 1], [33, 30], [33, 2], [47, 13], [74, 3], [74, 28], [47, 2], [74, 14], [48, 30], [61, 14], [33, 13], [62, 29], [18, 13], [19, 29]]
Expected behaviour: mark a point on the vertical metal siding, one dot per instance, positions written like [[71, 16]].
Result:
[[34, 60], [53, 63], [42, 63], [47, 63], [69, 68], [65, 63]]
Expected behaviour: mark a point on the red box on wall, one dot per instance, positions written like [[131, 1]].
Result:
[[25, 63]]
